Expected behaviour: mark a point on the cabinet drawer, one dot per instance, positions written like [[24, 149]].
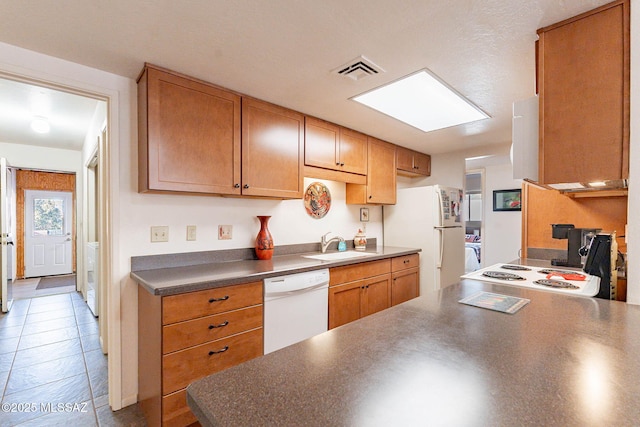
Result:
[[181, 368], [176, 308], [405, 285], [175, 411], [349, 273], [404, 262], [178, 336]]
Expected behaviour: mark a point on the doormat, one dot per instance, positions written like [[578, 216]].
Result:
[[56, 281]]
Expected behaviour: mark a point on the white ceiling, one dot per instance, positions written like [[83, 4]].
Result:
[[69, 115], [283, 51]]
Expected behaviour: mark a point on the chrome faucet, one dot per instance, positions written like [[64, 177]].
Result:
[[324, 243]]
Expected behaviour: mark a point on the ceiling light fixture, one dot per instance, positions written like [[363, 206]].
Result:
[[40, 124], [424, 101]]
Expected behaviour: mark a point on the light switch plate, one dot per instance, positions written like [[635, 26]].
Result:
[[191, 232], [225, 232], [159, 233]]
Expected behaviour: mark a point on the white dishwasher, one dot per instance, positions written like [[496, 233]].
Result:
[[296, 307]]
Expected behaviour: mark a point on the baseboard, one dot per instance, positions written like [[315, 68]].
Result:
[[131, 400]]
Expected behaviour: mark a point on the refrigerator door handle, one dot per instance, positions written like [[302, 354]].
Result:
[[440, 214], [441, 246]]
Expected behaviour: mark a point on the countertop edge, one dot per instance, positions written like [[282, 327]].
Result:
[[285, 264]]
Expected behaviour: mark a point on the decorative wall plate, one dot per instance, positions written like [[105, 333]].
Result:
[[317, 200]]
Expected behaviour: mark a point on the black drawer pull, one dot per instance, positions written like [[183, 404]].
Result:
[[224, 298], [225, 323], [222, 350]]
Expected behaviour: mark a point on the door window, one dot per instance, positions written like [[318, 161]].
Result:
[[48, 217]]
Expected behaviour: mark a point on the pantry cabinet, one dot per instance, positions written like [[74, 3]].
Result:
[[272, 150], [380, 188], [412, 163], [185, 337], [195, 137], [188, 135], [334, 147], [583, 83]]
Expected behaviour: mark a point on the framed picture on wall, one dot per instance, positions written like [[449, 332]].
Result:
[[364, 214], [507, 200]]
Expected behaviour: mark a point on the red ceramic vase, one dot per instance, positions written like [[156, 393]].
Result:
[[264, 241]]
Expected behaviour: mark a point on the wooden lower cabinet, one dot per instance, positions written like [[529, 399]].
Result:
[[405, 285], [182, 338], [358, 290], [361, 298], [405, 278]]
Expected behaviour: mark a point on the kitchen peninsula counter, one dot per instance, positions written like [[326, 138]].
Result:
[[559, 360], [177, 279]]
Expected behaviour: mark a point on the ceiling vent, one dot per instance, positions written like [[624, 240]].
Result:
[[358, 68]]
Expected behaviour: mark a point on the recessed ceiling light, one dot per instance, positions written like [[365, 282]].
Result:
[[40, 125], [424, 101]]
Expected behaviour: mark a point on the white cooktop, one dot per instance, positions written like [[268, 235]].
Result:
[[585, 288]]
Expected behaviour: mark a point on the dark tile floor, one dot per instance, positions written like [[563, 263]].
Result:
[[52, 370]]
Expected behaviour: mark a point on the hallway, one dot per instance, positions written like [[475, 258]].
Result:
[[52, 370]]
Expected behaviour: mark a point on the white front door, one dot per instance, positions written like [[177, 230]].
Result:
[[48, 231]]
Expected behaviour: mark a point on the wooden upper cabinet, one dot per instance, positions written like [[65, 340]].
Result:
[[352, 151], [189, 135], [380, 188], [334, 147], [272, 150], [412, 163], [583, 83]]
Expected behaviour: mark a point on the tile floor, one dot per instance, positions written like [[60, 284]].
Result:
[[52, 370]]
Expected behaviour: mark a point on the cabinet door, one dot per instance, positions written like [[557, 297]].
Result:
[[344, 303], [422, 164], [404, 158], [583, 79], [376, 295], [321, 143], [405, 285], [189, 135], [272, 150], [381, 178], [353, 151]]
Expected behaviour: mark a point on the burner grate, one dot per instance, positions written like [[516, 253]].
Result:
[[555, 284], [502, 275], [515, 267]]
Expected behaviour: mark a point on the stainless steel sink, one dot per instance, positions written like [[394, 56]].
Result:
[[332, 256]]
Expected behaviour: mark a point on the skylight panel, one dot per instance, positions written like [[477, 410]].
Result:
[[423, 101]]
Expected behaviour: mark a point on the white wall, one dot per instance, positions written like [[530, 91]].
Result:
[[289, 223], [446, 169], [32, 157], [501, 239], [133, 213]]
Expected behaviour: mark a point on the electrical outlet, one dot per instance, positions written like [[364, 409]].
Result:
[[225, 232], [159, 233], [191, 232]]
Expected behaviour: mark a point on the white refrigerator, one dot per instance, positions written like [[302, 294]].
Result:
[[429, 218]]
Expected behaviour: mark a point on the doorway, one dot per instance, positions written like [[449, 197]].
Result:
[[48, 225], [46, 231]]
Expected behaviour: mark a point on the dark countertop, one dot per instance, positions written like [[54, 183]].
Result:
[[559, 361], [176, 280]]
